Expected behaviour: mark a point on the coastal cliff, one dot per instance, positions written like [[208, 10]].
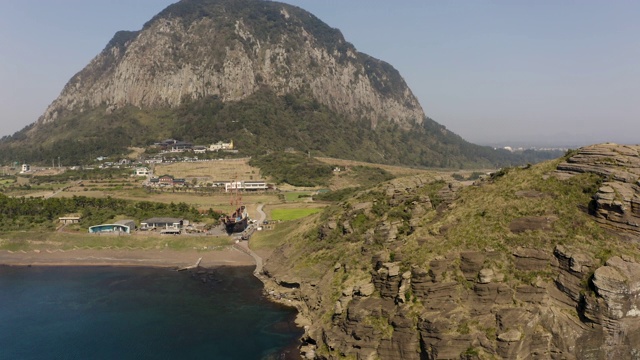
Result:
[[538, 262]]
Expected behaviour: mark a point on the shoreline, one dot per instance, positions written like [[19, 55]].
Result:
[[164, 258], [128, 257]]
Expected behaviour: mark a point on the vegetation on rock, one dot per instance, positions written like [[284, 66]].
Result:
[[455, 270]]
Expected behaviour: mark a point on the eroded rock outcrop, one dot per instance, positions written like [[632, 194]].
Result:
[[549, 320], [617, 202], [545, 291]]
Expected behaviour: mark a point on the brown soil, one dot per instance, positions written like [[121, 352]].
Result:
[[152, 258]]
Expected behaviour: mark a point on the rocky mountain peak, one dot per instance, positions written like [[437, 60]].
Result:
[[230, 49]]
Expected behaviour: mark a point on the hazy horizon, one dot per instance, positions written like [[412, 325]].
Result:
[[542, 73]]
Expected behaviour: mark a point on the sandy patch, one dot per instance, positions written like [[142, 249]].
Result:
[[153, 258]]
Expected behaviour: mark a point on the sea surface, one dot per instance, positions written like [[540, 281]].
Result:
[[140, 313]]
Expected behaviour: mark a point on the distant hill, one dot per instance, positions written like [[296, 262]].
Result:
[[268, 75]]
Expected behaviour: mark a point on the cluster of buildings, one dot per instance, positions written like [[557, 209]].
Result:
[[170, 181], [160, 224], [177, 146], [163, 225]]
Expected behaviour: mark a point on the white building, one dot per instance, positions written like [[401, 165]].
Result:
[[245, 185], [142, 171], [25, 168], [221, 146]]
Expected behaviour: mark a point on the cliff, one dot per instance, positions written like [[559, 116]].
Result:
[[537, 262], [230, 49]]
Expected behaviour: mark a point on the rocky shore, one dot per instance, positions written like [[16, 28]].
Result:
[[568, 298]]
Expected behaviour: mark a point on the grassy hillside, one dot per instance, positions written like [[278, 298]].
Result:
[[261, 123], [519, 207]]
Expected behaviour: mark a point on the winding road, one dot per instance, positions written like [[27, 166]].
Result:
[[244, 245]]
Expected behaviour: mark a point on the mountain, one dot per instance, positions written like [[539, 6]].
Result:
[[269, 75], [538, 262]]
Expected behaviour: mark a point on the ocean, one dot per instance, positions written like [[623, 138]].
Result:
[[140, 313]]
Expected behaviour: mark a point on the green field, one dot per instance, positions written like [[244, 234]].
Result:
[[295, 196], [292, 214]]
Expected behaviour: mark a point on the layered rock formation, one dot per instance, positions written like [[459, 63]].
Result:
[[557, 286], [617, 202]]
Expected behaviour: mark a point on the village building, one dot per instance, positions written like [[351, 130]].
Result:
[[199, 149], [221, 146], [69, 219], [155, 160], [164, 225], [181, 146], [121, 226], [142, 171], [25, 168], [165, 144], [167, 181], [245, 185], [131, 224]]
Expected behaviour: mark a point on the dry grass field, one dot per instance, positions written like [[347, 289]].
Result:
[[214, 170], [217, 201], [394, 170], [130, 188]]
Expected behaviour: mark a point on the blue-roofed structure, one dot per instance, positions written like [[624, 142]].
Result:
[[122, 226]]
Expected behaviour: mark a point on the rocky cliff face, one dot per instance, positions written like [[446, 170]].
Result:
[[230, 49], [617, 203], [514, 267]]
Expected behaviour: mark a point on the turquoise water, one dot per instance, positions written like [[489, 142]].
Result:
[[139, 313]]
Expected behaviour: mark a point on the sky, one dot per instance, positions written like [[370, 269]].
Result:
[[519, 73]]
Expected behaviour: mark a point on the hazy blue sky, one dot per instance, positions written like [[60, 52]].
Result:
[[557, 72]]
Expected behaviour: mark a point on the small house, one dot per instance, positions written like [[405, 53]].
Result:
[[181, 146], [25, 168], [69, 219], [165, 180], [142, 171], [199, 149], [221, 146], [162, 223]]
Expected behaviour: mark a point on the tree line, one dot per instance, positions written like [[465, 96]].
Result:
[[39, 213]]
